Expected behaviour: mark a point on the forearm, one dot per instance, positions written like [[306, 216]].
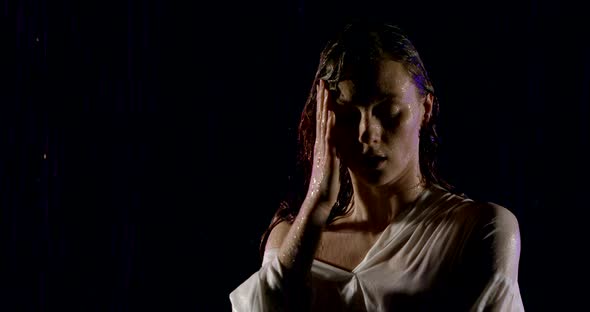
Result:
[[298, 250], [299, 246]]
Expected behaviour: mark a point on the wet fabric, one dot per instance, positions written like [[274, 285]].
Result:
[[448, 253]]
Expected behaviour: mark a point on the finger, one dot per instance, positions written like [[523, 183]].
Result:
[[324, 106], [333, 155], [331, 143], [318, 111], [322, 110], [330, 128]]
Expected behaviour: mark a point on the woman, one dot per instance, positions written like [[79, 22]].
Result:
[[378, 230]]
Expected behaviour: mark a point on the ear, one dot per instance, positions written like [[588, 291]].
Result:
[[428, 104]]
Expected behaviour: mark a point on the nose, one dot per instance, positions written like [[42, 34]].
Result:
[[370, 129]]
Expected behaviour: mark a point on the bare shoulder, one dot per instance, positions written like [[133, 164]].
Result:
[[276, 236]]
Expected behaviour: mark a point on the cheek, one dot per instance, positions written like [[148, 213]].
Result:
[[401, 127], [403, 136], [345, 131], [344, 140], [347, 145]]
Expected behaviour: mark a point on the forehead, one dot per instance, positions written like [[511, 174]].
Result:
[[385, 78]]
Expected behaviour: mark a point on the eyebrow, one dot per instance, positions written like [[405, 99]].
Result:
[[382, 97]]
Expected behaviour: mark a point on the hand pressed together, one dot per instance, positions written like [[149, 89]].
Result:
[[324, 183]]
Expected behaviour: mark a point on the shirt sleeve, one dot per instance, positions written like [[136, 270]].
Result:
[[501, 238], [262, 291], [501, 294]]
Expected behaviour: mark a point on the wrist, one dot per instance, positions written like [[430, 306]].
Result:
[[315, 211]]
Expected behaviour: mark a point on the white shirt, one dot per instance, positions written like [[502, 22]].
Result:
[[448, 253]]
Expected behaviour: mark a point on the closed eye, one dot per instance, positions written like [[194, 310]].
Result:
[[386, 109]]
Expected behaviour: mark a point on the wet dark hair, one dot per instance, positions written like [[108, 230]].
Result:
[[358, 47]]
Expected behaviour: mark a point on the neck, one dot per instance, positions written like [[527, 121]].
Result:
[[381, 205]]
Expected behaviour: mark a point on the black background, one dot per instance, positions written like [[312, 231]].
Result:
[[145, 144]]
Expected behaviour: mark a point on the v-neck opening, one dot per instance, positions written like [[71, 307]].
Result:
[[370, 253], [365, 258]]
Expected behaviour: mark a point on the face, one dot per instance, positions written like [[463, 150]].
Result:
[[378, 121]]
